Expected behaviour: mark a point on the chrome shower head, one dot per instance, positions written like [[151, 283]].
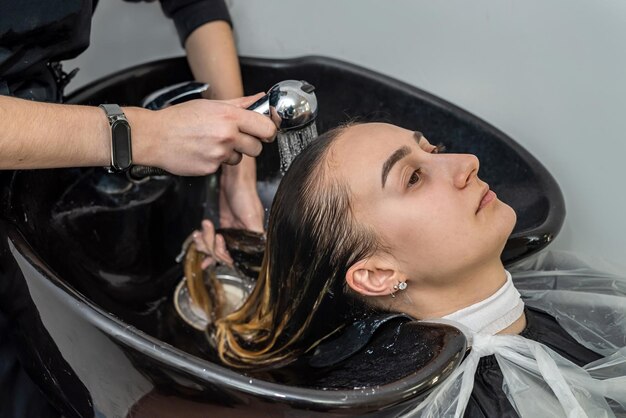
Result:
[[291, 104]]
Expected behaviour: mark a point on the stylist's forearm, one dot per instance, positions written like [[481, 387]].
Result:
[[45, 135], [212, 56]]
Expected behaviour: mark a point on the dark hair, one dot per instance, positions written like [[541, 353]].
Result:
[[300, 297]]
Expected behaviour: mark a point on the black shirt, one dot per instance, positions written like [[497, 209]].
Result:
[[488, 399], [35, 33]]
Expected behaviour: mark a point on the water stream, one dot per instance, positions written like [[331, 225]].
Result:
[[291, 143]]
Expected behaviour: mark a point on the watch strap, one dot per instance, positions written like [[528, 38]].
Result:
[[112, 110], [121, 145]]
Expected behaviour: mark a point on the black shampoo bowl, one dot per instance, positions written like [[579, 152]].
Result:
[[88, 268]]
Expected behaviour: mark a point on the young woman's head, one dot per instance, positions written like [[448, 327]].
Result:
[[361, 210]]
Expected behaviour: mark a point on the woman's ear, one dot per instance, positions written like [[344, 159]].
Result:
[[373, 277]]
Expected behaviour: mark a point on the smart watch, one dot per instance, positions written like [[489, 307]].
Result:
[[121, 146]]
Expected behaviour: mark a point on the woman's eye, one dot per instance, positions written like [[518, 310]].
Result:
[[415, 177], [438, 149]]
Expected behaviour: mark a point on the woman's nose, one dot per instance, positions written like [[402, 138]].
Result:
[[464, 169]]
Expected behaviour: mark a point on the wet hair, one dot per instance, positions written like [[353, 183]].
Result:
[[301, 296]]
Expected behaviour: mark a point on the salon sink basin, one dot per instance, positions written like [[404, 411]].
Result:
[[346, 92], [88, 259]]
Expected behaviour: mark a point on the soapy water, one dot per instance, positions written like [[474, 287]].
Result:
[[291, 143]]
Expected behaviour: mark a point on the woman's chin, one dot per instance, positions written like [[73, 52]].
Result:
[[512, 217], [503, 220], [509, 218], [500, 212]]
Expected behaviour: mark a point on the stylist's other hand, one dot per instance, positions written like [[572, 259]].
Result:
[[240, 205], [212, 244], [196, 137]]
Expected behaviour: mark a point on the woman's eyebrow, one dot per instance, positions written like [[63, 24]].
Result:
[[417, 135], [397, 155]]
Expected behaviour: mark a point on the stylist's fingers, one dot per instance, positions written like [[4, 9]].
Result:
[[208, 261], [243, 143], [247, 144], [246, 101], [208, 236], [221, 252], [211, 244], [234, 158], [255, 124], [200, 245]]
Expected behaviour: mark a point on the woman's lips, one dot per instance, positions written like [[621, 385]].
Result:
[[487, 198]]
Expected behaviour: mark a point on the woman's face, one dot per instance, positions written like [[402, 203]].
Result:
[[435, 215]]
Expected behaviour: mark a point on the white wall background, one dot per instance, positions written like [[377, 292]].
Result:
[[552, 74]]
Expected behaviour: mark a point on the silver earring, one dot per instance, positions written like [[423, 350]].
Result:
[[398, 286]]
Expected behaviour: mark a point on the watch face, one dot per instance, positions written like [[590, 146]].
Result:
[[120, 145]]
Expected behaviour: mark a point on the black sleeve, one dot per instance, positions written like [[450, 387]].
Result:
[[188, 15]]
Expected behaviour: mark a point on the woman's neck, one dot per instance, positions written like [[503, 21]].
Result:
[[484, 299], [516, 327], [437, 300]]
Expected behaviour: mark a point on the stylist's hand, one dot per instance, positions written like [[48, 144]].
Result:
[[196, 137], [211, 244]]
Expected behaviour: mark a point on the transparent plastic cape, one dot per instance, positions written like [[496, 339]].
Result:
[[588, 299]]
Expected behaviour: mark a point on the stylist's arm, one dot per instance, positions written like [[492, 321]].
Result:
[[192, 138], [212, 57]]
